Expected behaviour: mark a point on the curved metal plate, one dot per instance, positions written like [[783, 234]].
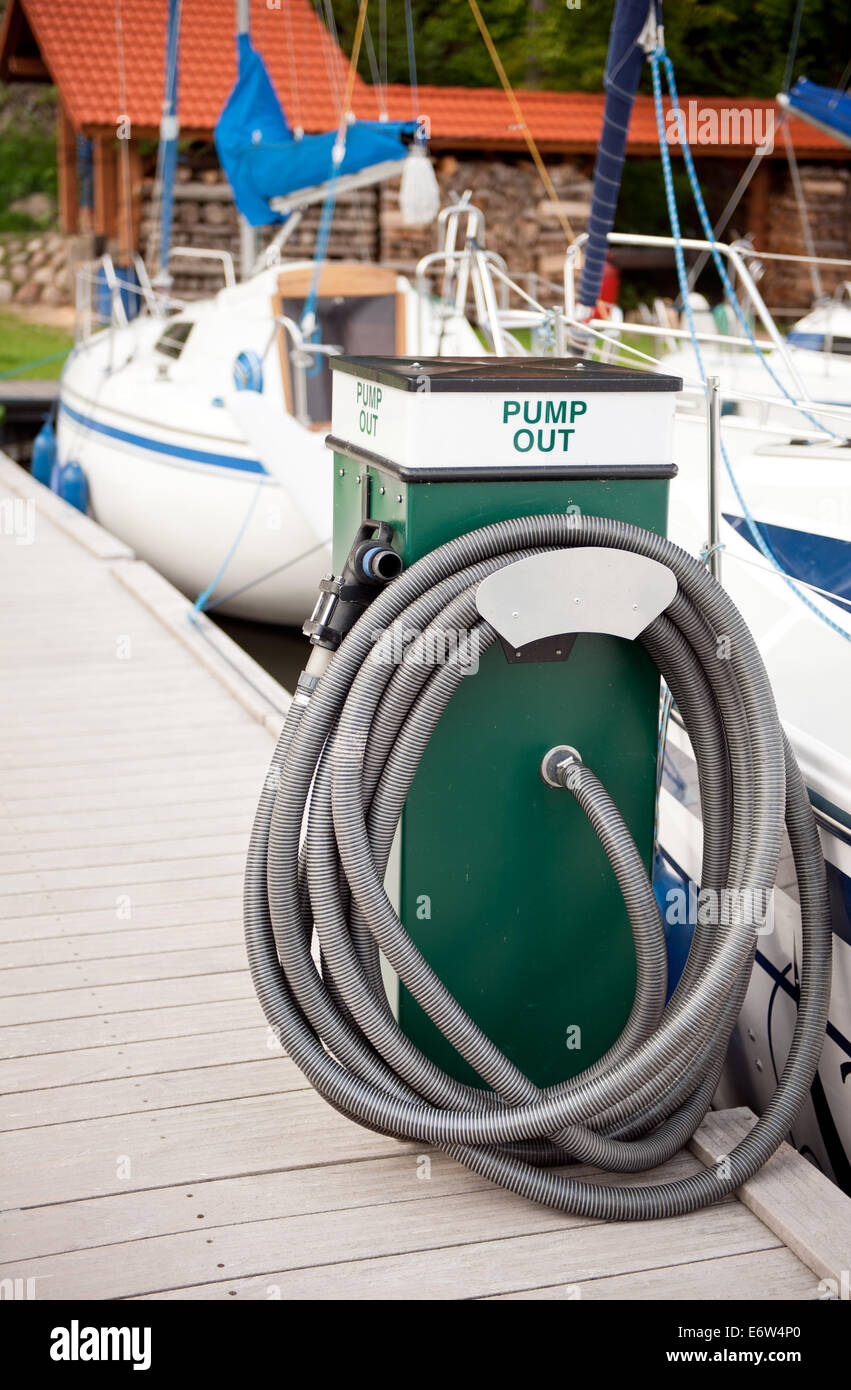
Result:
[[589, 589]]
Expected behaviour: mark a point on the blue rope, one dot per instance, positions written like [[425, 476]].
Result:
[[39, 362], [758, 537], [201, 601], [715, 253], [323, 237]]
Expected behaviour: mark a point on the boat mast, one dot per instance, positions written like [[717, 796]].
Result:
[[167, 152], [633, 35]]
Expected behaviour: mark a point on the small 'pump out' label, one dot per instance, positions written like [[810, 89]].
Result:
[[368, 399]]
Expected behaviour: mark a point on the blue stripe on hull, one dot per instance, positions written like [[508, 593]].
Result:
[[823, 561], [762, 961], [156, 446]]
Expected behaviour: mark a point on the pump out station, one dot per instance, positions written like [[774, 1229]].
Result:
[[460, 811], [432, 449]]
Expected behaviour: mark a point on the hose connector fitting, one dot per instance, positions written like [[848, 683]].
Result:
[[371, 563], [555, 763]]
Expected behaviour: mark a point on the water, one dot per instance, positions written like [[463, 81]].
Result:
[[282, 651]]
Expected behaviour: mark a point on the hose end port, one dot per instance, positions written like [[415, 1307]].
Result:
[[378, 564], [553, 760]]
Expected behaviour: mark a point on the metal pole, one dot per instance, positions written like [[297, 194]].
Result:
[[247, 248], [560, 335], [713, 456]]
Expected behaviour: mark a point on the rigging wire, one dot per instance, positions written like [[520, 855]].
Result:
[[202, 600], [298, 127], [412, 61], [843, 82], [531, 145], [323, 236], [269, 574], [330, 53], [660, 56], [374, 70], [733, 202], [657, 58], [793, 46], [382, 42], [353, 64], [126, 226], [806, 229]]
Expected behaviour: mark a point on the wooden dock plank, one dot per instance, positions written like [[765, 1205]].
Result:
[[401, 1231], [241, 1041], [115, 1000], [761, 1275], [53, 1229], [207, 1140], [143, 969], [125, 876], [66, 1036], [169, 1089], [211, 902], [470, 1263], [103, 946], [810, 1215], [129, 896]]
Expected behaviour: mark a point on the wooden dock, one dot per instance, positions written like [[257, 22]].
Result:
[[157, 1143]]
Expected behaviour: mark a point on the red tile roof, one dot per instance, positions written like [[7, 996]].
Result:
[[79, 45], [571, 122]]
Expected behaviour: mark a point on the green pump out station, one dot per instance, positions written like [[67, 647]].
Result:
[[500, 880]]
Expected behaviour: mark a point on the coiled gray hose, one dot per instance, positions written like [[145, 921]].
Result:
[[339, 778]]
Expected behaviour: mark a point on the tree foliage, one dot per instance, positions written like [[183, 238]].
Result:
[[724, 47]]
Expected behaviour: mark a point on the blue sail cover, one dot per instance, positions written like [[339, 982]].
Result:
[[263, 160], [623, 69], [822, 106]]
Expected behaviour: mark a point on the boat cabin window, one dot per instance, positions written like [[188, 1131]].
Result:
[[173, 340], [360, 325]]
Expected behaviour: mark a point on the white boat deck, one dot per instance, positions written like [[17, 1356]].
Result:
[[157, 1144]]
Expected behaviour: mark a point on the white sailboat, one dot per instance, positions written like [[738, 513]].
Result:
[[199, 426]]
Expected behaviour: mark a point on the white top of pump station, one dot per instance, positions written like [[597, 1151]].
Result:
[[444, 416]]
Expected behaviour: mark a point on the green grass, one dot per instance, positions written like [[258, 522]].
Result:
[[22, 343]]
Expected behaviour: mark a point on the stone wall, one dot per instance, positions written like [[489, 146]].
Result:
[[34, 269], [827, 193], [522, 224], [205, 217]]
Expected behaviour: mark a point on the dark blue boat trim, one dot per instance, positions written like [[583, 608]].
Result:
[[156, 446], [823, 561], [789, 988], [765, 964], [841, 827]]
